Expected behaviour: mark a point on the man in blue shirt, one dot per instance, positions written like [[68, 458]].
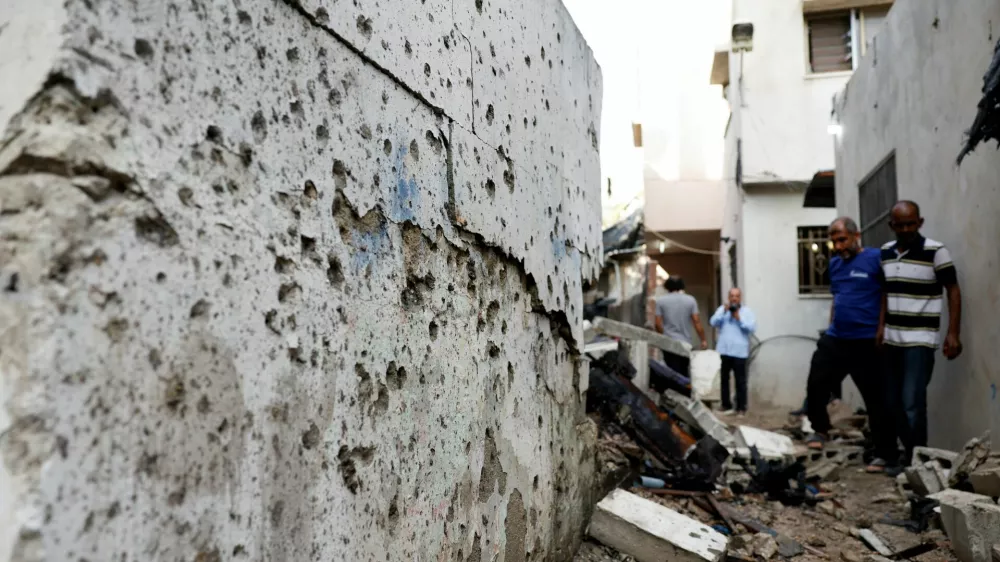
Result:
[[735, 323], [849, 345]]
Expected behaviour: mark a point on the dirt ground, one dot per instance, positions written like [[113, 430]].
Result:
[[859, 500]]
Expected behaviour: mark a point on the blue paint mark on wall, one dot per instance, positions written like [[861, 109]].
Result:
[[368, 245], [405, 198]]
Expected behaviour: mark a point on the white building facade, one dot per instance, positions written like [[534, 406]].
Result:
[[779, 157], [903, 118]]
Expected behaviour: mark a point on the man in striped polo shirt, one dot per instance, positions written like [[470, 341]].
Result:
[[917, 271]]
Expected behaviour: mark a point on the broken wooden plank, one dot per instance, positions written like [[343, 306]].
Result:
[[914, 551], [718, 509], [650, 532]]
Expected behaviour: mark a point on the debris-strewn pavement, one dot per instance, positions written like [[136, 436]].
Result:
[[776, 499]]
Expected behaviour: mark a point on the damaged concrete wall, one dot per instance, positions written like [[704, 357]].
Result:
[[915, 95], [294, 280]]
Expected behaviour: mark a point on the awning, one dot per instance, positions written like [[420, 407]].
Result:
[[819, 6], [822, 190]]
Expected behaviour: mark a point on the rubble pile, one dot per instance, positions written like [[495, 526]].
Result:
[[698, 489]]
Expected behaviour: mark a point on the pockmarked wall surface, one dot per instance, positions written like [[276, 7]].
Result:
[[294, 280]]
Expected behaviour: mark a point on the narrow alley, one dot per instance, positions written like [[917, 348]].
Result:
[[505, 281]]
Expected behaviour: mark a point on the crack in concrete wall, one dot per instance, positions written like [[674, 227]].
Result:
[[266, 297]]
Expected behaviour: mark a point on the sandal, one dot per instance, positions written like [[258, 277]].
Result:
[[816, 442]]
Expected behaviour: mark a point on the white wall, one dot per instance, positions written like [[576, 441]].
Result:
[[683, 205], [784, 109], [917, 93], [771, 217], [294, 280]]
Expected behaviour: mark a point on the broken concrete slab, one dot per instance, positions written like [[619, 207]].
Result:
[[959, 518], [628, 331], [650, 532], [925, 454], [986, 481], [696, 413], [977, 529], [769, 444], [874, 542], [975, 453]]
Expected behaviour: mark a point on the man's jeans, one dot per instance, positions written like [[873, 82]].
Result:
[[909, 370], [832, 361]]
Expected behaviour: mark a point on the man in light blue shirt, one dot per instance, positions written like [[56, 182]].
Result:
[[735, 323]]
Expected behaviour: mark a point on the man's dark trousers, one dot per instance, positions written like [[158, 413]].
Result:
[[833, 360], [909, 371], [738, 367]]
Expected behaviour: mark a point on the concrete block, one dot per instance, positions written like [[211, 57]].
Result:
[[649, 532], [986, 481], [771, 445], [924, 479], [695, 412], [957, 514], [925, 454], [975, 453], [976, 530]]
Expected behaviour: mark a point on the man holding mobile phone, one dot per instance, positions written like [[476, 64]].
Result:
[[735, 323]]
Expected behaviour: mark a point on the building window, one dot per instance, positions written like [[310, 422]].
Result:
[[815, 251], [877, 193], [830, 43]]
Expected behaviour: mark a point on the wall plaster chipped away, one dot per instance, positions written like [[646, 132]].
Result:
[[201, 359]]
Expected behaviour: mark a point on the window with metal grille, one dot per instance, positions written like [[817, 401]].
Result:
[[815, 251], [877, 194], [830, 42]]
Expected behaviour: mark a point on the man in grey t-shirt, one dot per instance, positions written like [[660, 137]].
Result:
[[676, 313]]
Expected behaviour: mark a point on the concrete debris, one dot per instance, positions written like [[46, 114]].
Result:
[[764, 546], [622, 330], [971, 521], [874, 542], [976, 530], [877, 558], [986, 481], [848, 556], [922, 455], [650, 532], [770, 445], [996, 553], [695, 413], [975, 453], [927, 478]]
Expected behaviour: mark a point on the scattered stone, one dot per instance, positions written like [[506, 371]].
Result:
[[877, 558], [996, 553], [765, 546], [847, 556], [651, 532], [816, 541], [865, 522], [886, 498], [841, 528], [827, 508]]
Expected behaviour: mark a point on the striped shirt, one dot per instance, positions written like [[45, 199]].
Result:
[[915, 280]]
